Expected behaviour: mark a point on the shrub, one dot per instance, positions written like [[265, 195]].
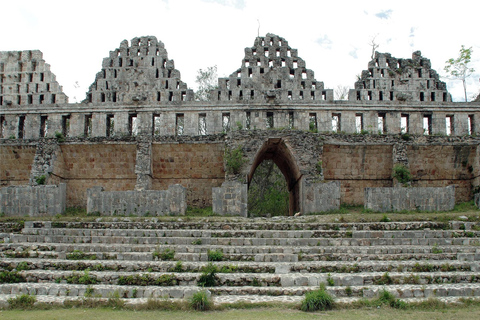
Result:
[[234, 160], [215, 255], [401, 173], [330, 281], [167, 254], [40, 180], [200, 301], [59, 136], [388, 298], [80, 255], [23, 301], [11, 277], [76, 278], [208, 277], [317, 300]]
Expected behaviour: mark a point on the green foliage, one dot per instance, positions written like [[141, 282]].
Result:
[[80, 255], [215, 255], [85, 278], [23, 301], [147, 280], [384, 279], [178, 267], [268, 192], [199, 212], [165, 255], [22, 266], [385, 218], [436, 249], [208, 277], [11, 277], [197, 242], [234, 160], [114, 301], [330, 281], [317, 300], [40, 180], [206, 81], [401, 173], [386, 297], [200, 301], [458, 68], [59, 136], [239, 125]]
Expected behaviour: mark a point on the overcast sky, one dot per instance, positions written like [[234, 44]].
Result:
[[333, 37]]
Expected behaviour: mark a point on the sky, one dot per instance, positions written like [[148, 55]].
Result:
[[333, 37]]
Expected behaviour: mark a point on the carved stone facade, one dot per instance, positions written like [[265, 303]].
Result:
[[139, 128]]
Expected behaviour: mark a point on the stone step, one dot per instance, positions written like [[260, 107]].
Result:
[[186, 241], [232, 249], [258, 257], [247, 279], [246, 267], [275, 223], [465, 290], [219, 233]]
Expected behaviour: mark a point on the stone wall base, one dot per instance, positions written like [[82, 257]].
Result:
[[230, 199], [320, 197], [141, 203], [33, 201], [399, 199]]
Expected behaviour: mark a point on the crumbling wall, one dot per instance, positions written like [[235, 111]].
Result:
[[141, 203], [27, 80], [230, 199], [271, 72], [138, 73], [399, 199], [392, 79], [33, 201]]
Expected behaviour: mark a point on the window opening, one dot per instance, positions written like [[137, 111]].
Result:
[[87, 129], [226, 122], [427, 124], [110, 125], [156, 124], [359, 123], [248, 120], [132, 124], [66, 125], [471, 124], [449, 129], [21, 127], [179, 124], [269, 121], [43, 126], [382, 123], [336, 127], [404, 123], [312, 122], [202, 124]]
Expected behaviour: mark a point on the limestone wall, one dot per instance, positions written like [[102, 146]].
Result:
[[33, 201], [148, 202], [399, 199], [197, 166], [15, 164], [320, 197], [230, 199]]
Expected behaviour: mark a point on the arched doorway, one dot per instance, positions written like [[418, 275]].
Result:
[[276, 150]]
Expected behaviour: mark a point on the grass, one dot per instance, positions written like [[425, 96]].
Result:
[[384, 312]]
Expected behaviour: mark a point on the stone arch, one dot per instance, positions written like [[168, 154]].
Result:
[[278, 151]]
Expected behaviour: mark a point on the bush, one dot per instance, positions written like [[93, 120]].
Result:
[[215, 255], [23, 301], [317, 300], [200, 301], [80, 255], [165, 255], [40, 180], [388, 298], [401, 173], [234, 160], [208, 277], [76, 278], [11, 277]]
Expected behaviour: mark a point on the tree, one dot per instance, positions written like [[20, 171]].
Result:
[[459, 69], [341, 92], [207, 81], [374, 46]]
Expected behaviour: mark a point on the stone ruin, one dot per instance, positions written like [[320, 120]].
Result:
[[139, 129]]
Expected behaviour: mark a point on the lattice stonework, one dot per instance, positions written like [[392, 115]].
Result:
[[392, 79], [26, 79], [271, 71], [139, 73]]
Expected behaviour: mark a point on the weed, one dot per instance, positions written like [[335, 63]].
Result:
[[200, 301], [412, 279], [330, 281], [114, 301], [40, 180], [178, 267], [234, 160], [348, 291], [89, 292], [11, 277], [23, 266], [197, 242], [76, 278], [165, 255], [384, 279], [208, 277], [215, 255], [385, 218], [436, 249], [386, 297], [401, 173], [23, 301], [80, 255], [317, 300]]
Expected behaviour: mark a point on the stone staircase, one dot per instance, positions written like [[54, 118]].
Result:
[[253, 260]]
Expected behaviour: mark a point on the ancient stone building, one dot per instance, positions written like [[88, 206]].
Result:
[[140, 130]]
